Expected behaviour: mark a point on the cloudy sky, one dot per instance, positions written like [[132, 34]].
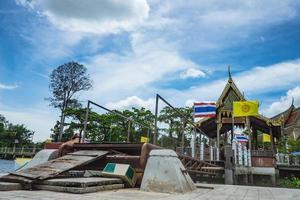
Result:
[[134, 49]]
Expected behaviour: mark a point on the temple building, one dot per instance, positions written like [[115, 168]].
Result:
[[220, 127], [252, 157], [290, 122]]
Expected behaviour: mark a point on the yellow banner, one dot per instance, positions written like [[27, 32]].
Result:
[[144, 139], [245, 108], [266, 137]]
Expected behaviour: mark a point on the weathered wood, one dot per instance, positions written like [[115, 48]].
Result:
[[59, 165], [237, 120], [85, 153]]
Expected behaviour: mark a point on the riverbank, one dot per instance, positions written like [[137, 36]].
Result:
[[220, 192]]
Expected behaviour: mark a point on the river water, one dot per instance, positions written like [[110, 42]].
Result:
[[7, 166]]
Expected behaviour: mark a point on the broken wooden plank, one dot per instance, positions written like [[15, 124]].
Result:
[[57, 166], [85, 153]]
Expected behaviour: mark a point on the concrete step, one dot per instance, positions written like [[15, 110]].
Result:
[[5, 186], [81, 181], [79, 190], [80, 185]]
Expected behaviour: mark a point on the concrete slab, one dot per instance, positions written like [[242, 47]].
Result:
[[79, 190], [263, 170], [81, 182], [40, 158], [5, 186]]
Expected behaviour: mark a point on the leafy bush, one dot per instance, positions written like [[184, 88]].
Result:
[[292, 182]]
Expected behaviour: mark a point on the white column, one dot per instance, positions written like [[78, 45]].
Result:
[[249, 158], [240, 154], [201, 150], [234, 151], [217, 154], [245, 155], [193, 144], [211, 153]]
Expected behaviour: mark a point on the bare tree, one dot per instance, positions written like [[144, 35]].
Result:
[[65, 81]]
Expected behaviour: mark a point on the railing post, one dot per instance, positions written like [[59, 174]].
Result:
[[128, 131], [155, 121], [211, 153], [33, 150]]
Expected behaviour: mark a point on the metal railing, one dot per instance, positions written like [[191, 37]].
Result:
[[287, 160]]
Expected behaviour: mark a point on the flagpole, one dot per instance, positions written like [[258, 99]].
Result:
[[232, 132]]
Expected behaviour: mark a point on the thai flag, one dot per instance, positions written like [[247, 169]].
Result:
[[241, 138], [204, 109]]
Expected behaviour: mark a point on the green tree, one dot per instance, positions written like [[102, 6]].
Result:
[[178, 127], [65, 81], [109, 127], [9, 133]]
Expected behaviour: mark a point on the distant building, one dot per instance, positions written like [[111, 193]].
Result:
[[290, 121]]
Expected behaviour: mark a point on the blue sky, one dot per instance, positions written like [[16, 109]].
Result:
[[134, 49]]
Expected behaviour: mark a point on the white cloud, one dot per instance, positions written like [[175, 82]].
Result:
[[92, 16], [37, 120], [135, 70], [7, 87], [192, 73], [257, 80], [130, 102], [284, 102]]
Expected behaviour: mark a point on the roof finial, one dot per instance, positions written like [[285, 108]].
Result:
[[229, 73]]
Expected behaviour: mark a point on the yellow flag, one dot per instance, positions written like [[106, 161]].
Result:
[[144, 139], [245, 108], [266, 137]]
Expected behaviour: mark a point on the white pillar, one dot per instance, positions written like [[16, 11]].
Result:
[[234, 151], [217, 154], [201, 150], [211, 153], [249, 158], [193, 144], [240, 154], [245, 152]]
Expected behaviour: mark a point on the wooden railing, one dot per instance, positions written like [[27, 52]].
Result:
[[12, 152]]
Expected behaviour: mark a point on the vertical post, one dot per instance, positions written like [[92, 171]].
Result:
[[193, 143], [272, 140], [234, 148], [240, 154], [82, 136], [201, 150], [148, 135], [155, 121], [218, 134], [128, 131], [232, 131], [249, 131], [211, 153], [182, 138], [255, 138]]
